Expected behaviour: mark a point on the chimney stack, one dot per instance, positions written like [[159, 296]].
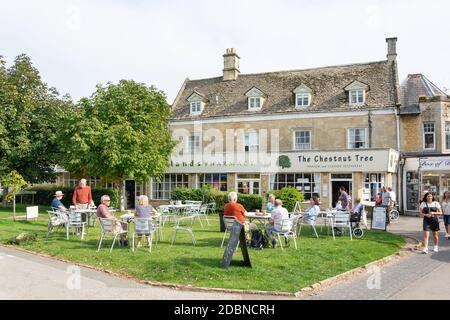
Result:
[[392, 49], [230, 65]]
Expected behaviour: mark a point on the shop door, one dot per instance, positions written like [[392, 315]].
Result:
[[248, 186], [130, 194], [339, 182]]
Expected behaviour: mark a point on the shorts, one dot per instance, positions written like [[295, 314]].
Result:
[[430, 224], [446, 219]]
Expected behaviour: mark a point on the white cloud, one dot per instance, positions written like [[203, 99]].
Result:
[[77, 44]]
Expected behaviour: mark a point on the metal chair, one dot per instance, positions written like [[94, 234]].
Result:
[[203, 212], [311, 222], [287, 230], [75, 221], [185, 224], [143, 227], [166, 213], [108, 227], [211, 208], [228, 221], [158, 225], [56, 219], [341, 220]]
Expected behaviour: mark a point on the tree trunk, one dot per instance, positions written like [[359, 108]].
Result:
[[14, 208], [4, 202], [121, 195]]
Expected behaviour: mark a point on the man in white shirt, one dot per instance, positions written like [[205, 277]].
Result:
[[392, 195], [276, 216]]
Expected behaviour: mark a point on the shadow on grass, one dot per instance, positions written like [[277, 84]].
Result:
[[210, 262]]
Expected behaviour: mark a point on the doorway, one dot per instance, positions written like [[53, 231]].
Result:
[[248, 184], [130, 194], [338, 181]]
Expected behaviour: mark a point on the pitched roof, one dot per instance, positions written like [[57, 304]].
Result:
[[413, 87], [327, 85]]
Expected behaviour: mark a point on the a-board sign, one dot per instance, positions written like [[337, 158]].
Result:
[[32, 212], [379, 218], [237, 235]]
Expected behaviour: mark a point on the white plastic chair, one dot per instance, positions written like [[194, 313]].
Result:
[[228, 221], [75, 221], [143, 227], [312, 223], [184, 224], [287, 229], [203, 212], [341, 220], [107, 225]]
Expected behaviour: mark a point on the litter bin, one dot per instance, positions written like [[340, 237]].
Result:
[[222, 224]]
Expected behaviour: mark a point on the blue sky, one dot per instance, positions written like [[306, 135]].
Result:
[[77, 44]]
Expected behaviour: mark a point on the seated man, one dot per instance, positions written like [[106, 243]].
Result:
[[103, 212], [277, 215], [355, 213], [57, 203], [236, 210]]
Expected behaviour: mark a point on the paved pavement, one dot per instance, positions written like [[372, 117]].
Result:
[[418, 276], [46, 278]]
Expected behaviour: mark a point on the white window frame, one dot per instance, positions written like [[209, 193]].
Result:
[[447, 134], [252, 103], [350, 93], [426, 133], [294, 139], [188, 145], [247, 141], [302, 95], [194, 105], [349, 130]]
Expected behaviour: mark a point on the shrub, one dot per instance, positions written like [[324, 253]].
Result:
[[207, 194], [289, 196], [45, 193]]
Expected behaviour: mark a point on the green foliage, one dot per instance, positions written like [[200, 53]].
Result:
[[284, 162], [32, 114], [23, 237], [14, 182], [289, 196], [120, 132], [45, 194], [208, 194]]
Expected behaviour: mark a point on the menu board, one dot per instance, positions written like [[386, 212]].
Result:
[[379, 218], [237, 234]]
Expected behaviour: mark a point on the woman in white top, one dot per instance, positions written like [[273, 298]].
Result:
[[430, 210], [445, 204], [313, 210]]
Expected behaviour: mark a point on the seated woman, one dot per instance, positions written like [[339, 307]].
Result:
[[119, 226], [313, 211], [144, 209]]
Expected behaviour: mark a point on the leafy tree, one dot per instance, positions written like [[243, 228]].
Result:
[[120, 132], [32, 113], [284, 162], [12, 183]]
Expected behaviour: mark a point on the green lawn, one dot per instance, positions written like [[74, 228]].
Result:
[[183, 263]]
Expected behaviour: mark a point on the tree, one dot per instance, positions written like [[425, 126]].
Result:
[[12, 183], [284, 162], [120, 132], [32, 114]]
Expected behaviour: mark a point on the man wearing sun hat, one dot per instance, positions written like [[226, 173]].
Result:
[[56, 202]]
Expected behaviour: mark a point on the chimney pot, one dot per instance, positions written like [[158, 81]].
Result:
[[230, 65], [392, 49]]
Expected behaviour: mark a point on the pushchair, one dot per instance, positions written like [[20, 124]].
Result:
[[355, 223]]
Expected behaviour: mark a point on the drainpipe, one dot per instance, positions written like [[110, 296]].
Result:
[[369, 121], [400, 167]]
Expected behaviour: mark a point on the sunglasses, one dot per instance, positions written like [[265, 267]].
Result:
[[107, 200]]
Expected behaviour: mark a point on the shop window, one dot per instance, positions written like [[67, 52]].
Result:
[[447, 135], [412, 190], [307, 183], [428, 136], [373, 182], [162, 189], [217, 180]]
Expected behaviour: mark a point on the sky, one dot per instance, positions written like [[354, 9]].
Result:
[[78, 44]]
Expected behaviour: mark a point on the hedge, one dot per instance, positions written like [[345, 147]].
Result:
[[207, 194], [45, 194], [289, 196]]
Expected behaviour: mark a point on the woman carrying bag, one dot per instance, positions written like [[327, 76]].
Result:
[[430, 210]]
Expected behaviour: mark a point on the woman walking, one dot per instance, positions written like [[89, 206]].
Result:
[[445, 204], [430, 211]]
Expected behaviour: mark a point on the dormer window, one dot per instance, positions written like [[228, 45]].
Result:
[[357, 93], [255, 99], [302, 96], [196, 103]]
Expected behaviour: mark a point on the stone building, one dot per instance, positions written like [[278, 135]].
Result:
[[314, 129], [425, 140]]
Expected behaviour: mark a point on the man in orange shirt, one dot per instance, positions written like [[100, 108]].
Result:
[[82, 196], [232, 208]]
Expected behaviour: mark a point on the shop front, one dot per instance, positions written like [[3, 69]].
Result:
[[422, 175], [314, 173]]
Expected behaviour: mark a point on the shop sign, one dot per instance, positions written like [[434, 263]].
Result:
[[439, 164]]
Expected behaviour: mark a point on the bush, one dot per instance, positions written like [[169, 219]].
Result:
[[208, 194], [45, 193], [289, 196]]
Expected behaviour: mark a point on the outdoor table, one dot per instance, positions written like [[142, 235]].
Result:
[[179, 207], [88, 213], [262, 218]]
